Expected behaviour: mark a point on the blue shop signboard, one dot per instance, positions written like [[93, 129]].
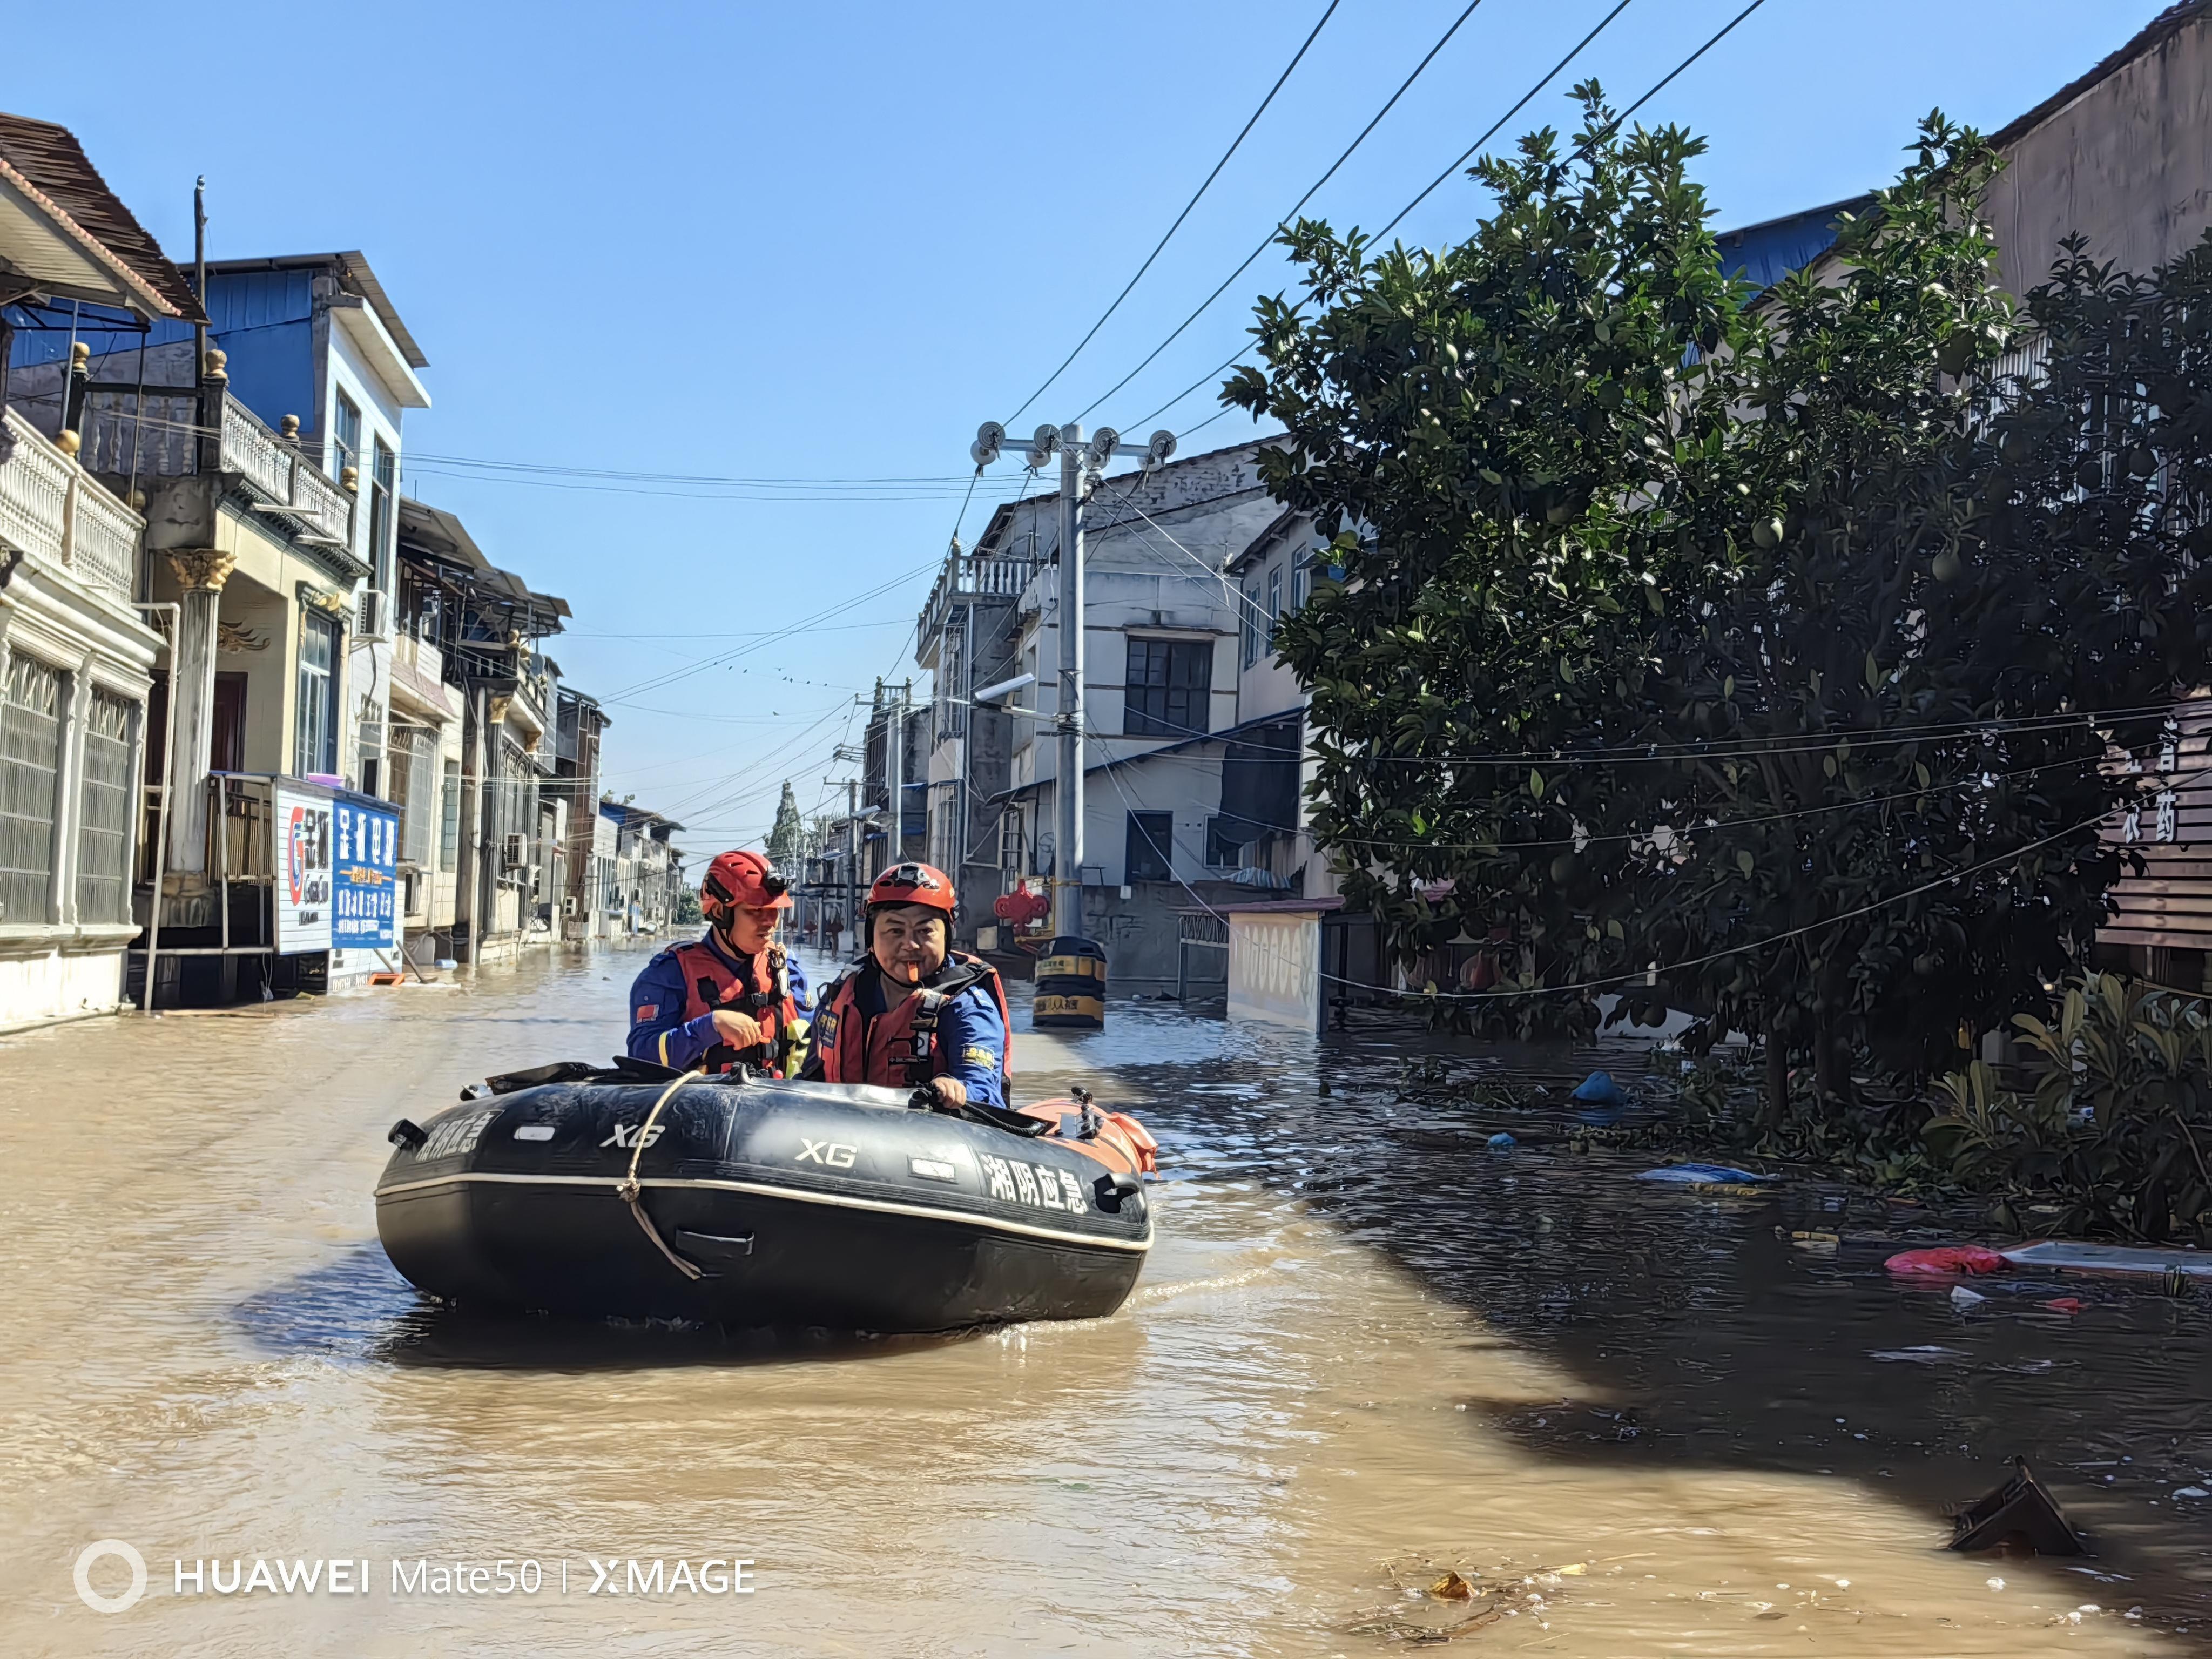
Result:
[[365, 890]]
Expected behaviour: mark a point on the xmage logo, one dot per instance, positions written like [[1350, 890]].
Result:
[[625, 1136], [826, 1152]]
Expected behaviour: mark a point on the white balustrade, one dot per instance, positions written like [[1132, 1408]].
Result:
[[59, 515]]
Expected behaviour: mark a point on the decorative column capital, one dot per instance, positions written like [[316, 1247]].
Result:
[[203, 569]]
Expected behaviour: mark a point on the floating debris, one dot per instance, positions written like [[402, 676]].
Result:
[[2018, 1514]]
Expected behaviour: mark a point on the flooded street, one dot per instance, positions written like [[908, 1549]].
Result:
[[1366, 1349]]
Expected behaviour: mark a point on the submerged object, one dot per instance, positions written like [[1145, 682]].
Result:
[[637, 1193], [1944, 1262], [2019, 1515], [1599, 1089], [2147, 1262], [1720, 1176]]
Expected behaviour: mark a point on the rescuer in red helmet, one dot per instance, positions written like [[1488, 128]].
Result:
[[915, 1013], [733, 997]]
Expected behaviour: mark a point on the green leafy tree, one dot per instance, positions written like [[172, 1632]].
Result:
[[1750, 653], [1508, 440], [786, 841]]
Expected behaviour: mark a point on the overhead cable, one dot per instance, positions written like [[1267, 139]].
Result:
[[1242, 134], [1269, 239]]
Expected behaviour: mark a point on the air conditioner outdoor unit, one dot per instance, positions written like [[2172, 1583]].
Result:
[[375, 614]]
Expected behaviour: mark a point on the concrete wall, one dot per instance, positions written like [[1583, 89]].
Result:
[[2128, 163], [1274, 967]]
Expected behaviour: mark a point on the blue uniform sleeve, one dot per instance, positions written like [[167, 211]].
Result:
[[801, 996], [657, 1031], [975, 1042]]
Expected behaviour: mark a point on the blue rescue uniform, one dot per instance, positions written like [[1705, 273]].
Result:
[[671, 1023]]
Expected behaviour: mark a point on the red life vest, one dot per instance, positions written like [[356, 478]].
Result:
[[711, 982], [900, 1047]]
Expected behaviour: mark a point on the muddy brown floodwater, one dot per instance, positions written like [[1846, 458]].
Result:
[[1366, 1351]]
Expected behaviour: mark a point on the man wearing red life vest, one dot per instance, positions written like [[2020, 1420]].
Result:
[[732, 998], [915, 1011]]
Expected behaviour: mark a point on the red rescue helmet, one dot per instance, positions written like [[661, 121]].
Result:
[[742, 881], [912, 883]]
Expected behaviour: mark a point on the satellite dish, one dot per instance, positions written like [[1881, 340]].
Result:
[[1104, 443], [1162, 445]]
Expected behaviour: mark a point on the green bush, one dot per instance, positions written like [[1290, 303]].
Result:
[[2112, 1125]]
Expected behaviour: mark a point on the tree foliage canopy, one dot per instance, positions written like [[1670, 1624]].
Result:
[[1769, 655]]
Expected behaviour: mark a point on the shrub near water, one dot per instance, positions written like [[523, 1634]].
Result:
[[2114, 1126]]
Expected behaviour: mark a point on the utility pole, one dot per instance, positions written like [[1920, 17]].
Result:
[[852, 845], [1080, 464], [895, 777]]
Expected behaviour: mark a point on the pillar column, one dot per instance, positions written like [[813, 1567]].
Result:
[[200, 573]]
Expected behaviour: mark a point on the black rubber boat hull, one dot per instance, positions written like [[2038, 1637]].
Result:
[[800, 1205]]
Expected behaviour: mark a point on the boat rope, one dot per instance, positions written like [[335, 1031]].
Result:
[[633, 1195]]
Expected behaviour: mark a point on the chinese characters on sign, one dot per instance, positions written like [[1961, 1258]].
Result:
[[365, 902], [303, 871]]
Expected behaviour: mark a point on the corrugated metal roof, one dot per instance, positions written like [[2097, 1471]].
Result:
[[53, 162], [352, 268]]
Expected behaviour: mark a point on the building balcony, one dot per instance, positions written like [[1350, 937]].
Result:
[[54, 513], [133, 438], [964, 579]]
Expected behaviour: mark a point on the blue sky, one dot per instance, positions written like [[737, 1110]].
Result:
[[822, 243]]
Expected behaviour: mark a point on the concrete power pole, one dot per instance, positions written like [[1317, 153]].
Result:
[[1079, 465]]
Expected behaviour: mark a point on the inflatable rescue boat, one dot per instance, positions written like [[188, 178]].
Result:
[[633, 1192]]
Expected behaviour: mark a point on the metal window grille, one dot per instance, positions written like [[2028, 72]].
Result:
[[103, 885], [30, 756], [413, 761], [449, 822]]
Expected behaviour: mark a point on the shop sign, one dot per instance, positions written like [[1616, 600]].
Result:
[[365, 904], [303, 871]]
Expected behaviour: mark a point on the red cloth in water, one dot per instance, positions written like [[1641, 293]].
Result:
[[1945, 1259]]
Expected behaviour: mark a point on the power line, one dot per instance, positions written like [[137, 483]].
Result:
[[1268, 240], [1655, 88], [1242, 134], [1655, 970], [1549, 76]]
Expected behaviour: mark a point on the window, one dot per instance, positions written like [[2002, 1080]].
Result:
[[315, 721], [30, 755], [1301, 584], [1167, 691], [449, 827], [1223, 849], [1275, 592], [345, 439], [415, 788], [382, 482], [103, 886], [1254, 625], [1152, 837]]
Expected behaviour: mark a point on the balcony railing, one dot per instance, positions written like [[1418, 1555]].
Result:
[[972, 577], [57, 513], [157, 441]]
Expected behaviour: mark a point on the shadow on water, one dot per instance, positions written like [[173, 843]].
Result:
[[1698, 1336], [358, 1308]]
